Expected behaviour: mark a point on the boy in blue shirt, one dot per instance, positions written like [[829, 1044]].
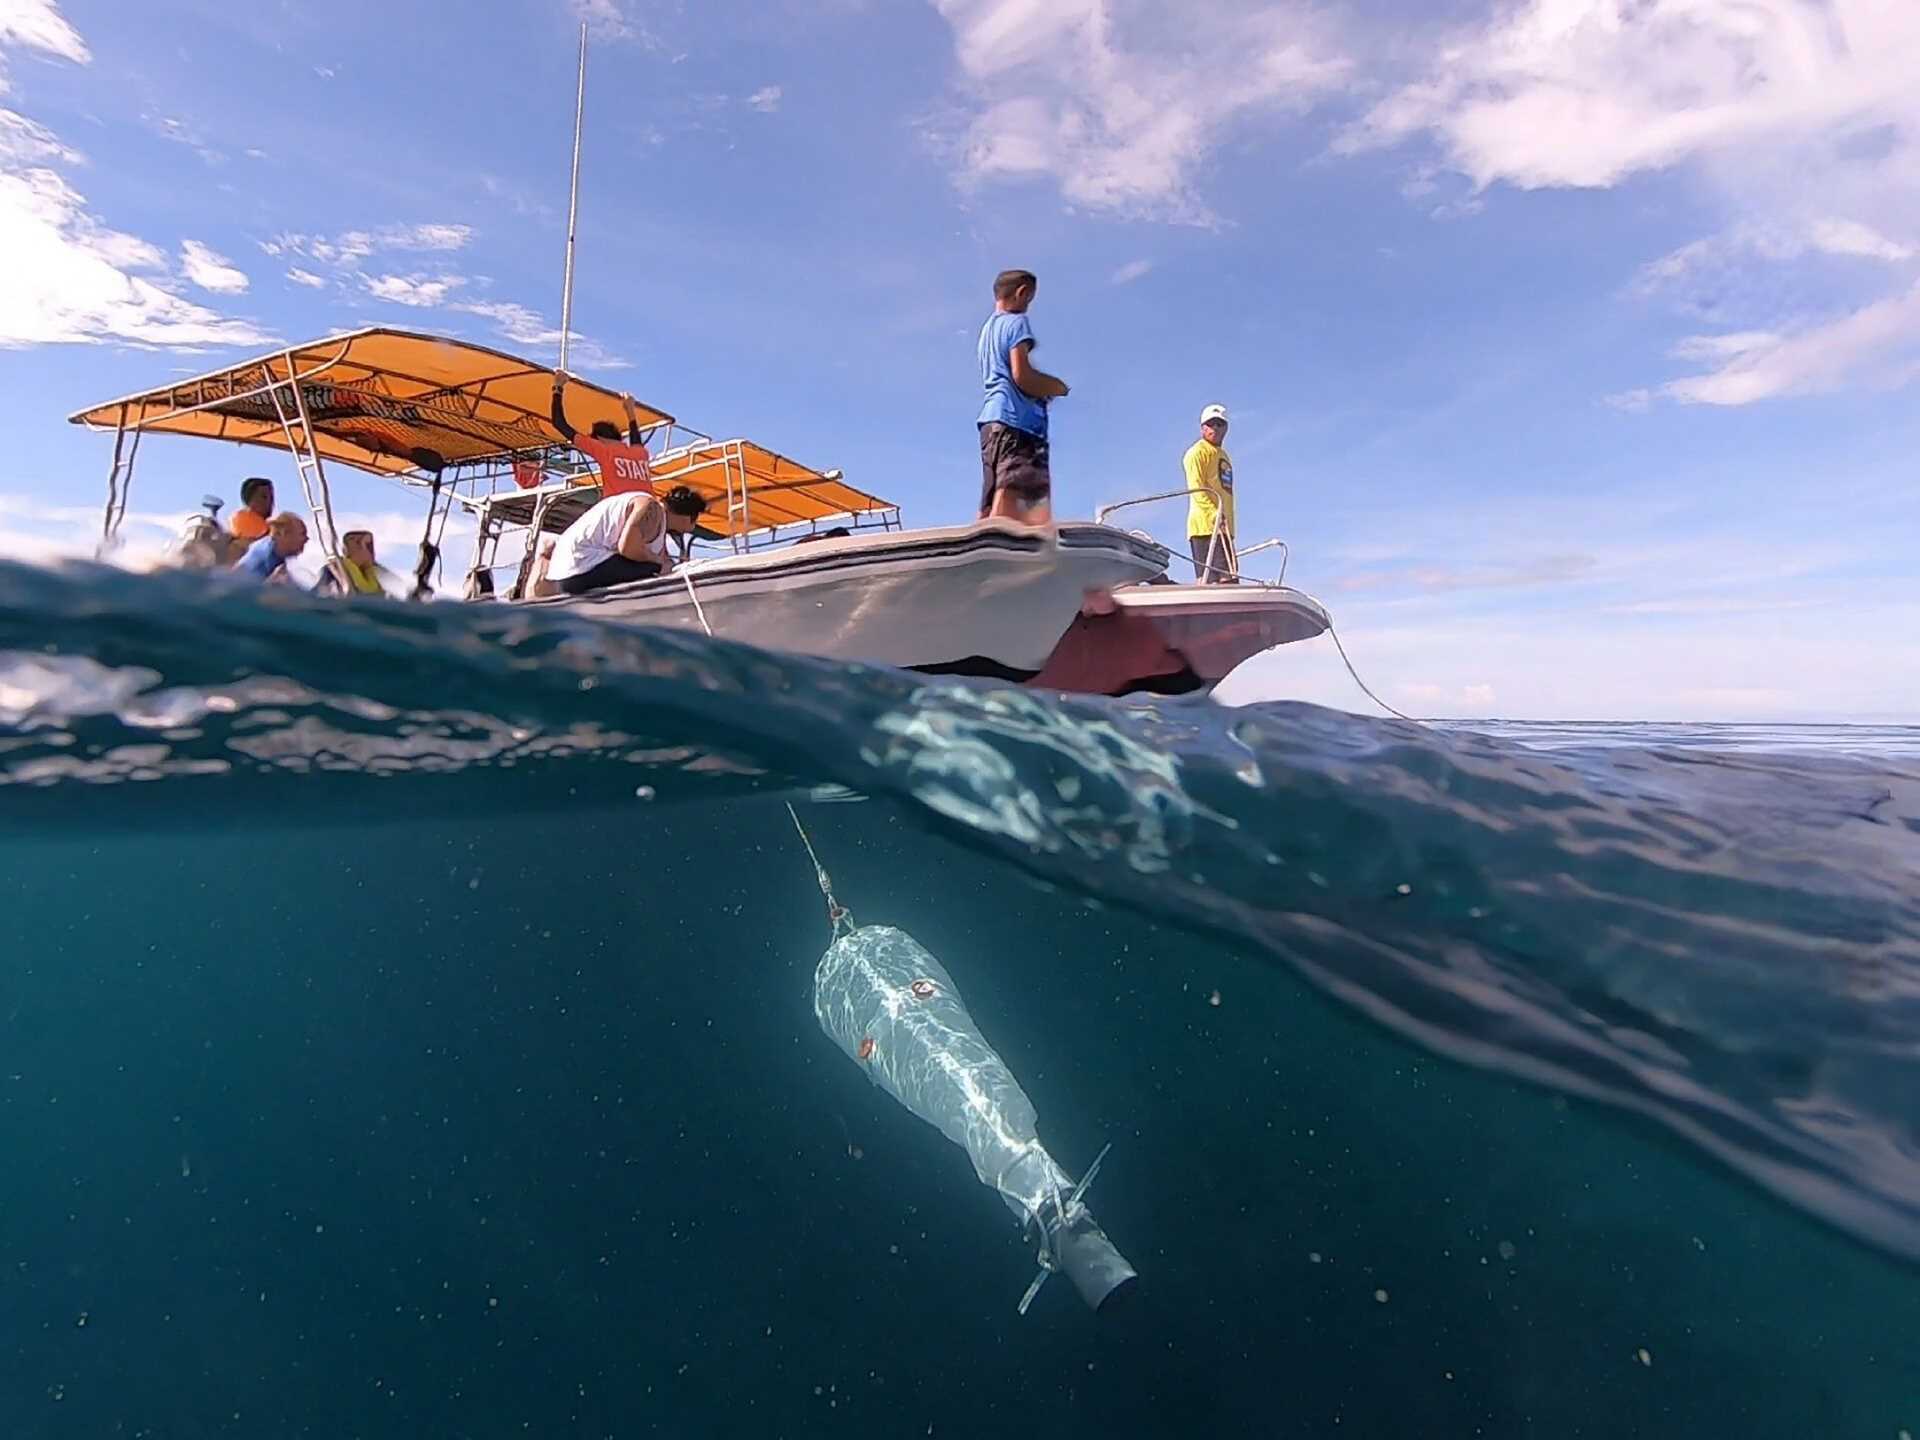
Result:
[[1015, 481]]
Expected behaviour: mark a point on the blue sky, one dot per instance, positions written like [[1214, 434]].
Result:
[[1571, 344]]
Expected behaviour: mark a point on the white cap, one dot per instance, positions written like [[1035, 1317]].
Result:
[[1214, 412]]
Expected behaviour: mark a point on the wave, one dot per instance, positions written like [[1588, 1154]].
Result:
[[1725, 944]]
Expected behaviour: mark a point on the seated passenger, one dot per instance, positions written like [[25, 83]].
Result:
[[621, 539], [250, 520], [356, 572], [622, 467], [266, 559]]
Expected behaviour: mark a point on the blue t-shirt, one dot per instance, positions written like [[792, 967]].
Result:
[[262, 561], [1006, 402]]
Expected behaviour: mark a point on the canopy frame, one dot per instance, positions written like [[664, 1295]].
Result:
[[470, 424], [306, 461]]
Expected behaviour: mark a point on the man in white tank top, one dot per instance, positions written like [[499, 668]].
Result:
[[621, 539]]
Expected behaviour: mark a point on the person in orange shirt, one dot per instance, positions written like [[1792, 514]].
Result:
[[250, 520], [623, 467]]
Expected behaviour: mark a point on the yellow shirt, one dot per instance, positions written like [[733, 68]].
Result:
[[1210, 479]]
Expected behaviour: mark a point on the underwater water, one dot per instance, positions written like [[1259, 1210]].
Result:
[[406, 1029]]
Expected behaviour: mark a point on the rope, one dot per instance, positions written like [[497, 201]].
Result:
[[686, 574], [1361, 683], [838, 916]]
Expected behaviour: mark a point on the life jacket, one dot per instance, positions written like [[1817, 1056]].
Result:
[[363, 582]]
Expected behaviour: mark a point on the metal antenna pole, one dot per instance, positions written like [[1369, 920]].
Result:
[[573, 202]]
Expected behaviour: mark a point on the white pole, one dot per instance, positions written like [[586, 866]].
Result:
[[573, 202]]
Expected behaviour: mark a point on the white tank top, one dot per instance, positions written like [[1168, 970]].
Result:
[[595, 536]]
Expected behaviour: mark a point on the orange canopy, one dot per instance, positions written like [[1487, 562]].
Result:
[[778, 491], [374, 397]]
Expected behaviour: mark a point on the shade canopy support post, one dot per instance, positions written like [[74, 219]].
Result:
[[298, 428], [119, 481]]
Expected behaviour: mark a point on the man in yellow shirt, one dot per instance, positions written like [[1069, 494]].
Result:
[[1210, 502]]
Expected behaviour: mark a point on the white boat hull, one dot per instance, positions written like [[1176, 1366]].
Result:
[[1063, 607], [989, 599]]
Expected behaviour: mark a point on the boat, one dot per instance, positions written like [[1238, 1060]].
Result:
[[788, 557]]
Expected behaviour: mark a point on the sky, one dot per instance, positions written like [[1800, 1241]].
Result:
[[1572, 346]]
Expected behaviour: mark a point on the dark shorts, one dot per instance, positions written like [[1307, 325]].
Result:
[[1223, 561], [614, 570], [1015, 461]]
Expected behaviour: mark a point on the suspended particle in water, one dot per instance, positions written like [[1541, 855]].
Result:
[[81, 1323], [866, 1048], [1381, 1296], [1403, 888], [1644, 1356], [1313, 1257], [1507, 1250], [1214, 999], [644, 792]]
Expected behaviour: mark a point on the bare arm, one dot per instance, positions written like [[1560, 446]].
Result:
[[559, 409], [633, 422], [1031, 380], [642, 531]]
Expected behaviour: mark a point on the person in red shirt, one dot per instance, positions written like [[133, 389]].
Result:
[[623, 466]]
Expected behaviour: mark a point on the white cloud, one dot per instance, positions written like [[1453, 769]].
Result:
[[71, 278], [26, 142], [39, 25], [1131, 271], [76, 281], [1588, 92], [210, 270], [415, 290], [307, 278], [169, 127], [38, 531], [1850, 237], [1717, 261], [347, 249], [766, 99], [516, 322], [611, 20], [1801, 118], [1878, 344], [425, 237], [524, 326], [1121, 103]]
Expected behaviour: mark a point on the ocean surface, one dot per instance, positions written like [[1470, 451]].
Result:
[[406, 1031]]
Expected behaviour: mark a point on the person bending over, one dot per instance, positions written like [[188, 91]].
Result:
[[621, 539]]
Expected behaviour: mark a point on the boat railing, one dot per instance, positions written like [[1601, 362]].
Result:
[[1202, 569]]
